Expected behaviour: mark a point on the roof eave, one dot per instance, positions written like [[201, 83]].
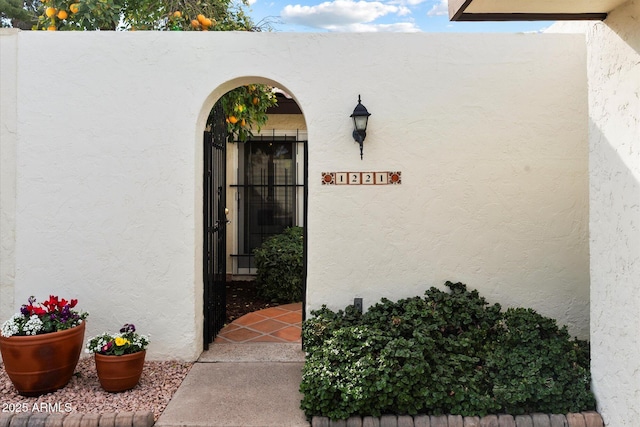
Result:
[[459, 11]]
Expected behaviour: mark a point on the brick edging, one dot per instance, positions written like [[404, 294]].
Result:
[[582, 419], [75, 419]]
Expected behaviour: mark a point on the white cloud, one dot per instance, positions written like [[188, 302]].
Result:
[[409, 2], [400, 27], [439, 9], [345, 15], [403, 11]]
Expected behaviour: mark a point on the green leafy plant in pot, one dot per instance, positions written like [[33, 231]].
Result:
[[119, 358], [41, 345]]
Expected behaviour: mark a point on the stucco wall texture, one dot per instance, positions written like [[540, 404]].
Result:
[[614, 143], [104, 131]]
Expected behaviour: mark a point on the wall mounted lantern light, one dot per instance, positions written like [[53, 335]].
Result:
[[360, 118]]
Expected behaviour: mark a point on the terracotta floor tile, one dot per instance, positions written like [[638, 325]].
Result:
[[272, 312], [274, 324], [296, 306], [249, 319], [230, 327], [268, 326], [291, 317], [290, 334]]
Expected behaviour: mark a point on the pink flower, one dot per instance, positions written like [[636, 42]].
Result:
[[105, 348]]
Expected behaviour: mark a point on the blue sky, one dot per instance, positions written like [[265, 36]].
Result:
[[372, 16]]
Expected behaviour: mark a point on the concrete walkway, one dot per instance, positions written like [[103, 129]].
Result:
[[240, 385]]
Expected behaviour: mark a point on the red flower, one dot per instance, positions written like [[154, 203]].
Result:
[[52, 304], [36, 310]]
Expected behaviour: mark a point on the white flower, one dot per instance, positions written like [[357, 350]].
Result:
[[33, 325], [10, 327]]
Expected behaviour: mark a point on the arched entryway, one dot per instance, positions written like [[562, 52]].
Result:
[[253, 189]]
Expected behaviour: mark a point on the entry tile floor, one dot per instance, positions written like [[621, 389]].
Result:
[[275, 324]]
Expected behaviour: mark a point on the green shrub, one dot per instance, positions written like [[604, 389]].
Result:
[[280, 266], [446, 353], [537, 367]]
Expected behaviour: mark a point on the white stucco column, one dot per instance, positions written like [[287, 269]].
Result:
[[8, 141], [614, 139]]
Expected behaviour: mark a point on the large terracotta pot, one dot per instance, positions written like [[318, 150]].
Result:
[[44, 363], [119, 373]]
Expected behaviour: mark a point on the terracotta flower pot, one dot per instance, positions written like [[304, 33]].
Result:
[[119, 373], [44, 363]]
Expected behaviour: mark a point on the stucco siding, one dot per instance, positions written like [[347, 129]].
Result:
[[8, 142], [614, 112], [492, 149], [489, 132]]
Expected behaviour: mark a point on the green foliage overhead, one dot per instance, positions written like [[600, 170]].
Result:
[[176, 15], [244, 107], [19, 14], [445, 353], [280, 266]]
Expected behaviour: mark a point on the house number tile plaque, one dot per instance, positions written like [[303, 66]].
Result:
[[362, 178]]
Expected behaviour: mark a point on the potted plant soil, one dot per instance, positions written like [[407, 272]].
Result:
[[41, 345], [119, 358]]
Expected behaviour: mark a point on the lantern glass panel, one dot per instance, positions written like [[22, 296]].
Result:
[[360, 122]]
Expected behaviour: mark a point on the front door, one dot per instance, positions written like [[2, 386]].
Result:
[[270, 192]]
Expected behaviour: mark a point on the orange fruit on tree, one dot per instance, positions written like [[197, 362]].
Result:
[[201, 18], [243, 123], [206, 22], [50, 11], [195, 23], [63, 14], [74, 7], [51, 28], [233, 120], [256, 100], [177, 14]]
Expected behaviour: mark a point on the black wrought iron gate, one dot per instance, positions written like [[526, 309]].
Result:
[[215, 221]]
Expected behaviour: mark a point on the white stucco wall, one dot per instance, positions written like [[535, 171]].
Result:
[[613, 58], [489, 132], [614, 135], [492, 148], [8, 98]]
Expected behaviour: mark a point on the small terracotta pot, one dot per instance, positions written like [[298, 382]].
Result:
[[39, 364], [119, 373]]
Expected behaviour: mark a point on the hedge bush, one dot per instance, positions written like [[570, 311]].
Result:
[[280, 267], [446, 353]]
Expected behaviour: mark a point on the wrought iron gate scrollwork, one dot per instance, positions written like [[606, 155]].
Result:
[[215, 221]]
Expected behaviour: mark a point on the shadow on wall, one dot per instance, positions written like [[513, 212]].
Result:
[[615, 268], [623, 28]]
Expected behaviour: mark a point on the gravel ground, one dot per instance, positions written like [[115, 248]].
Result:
[[158, 383]]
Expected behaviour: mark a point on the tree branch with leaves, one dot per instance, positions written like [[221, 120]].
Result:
[[244, 107]]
